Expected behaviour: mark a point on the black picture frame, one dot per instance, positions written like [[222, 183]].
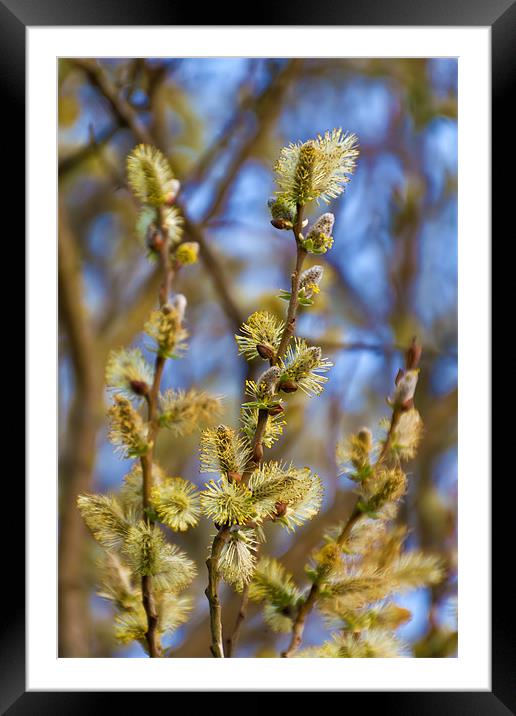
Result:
[[500, 15]]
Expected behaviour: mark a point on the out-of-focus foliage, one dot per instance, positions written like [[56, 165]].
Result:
[[390, 274]]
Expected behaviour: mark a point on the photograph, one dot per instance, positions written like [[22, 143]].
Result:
[[257, 357]]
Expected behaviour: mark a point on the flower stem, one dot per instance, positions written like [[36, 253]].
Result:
[[232, 642]]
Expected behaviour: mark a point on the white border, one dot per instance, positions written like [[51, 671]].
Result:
[[471, 670]]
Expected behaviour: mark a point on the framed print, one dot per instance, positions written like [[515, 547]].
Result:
[[259, 451]]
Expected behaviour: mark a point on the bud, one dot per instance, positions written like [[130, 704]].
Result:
[[265, 352], [276, 409], [287, 386], [405, 389], [399, 376], [310, 279], [150, 177], [281, 224], [365, 437], [398, 616], [155, 241], [324, 223], [413, 355], [234, 477], [174, 191], [280, 509], [179, 303], [139, 387], [258, 453], [283, 212], [319, 238], [187, 253], [267, 382]]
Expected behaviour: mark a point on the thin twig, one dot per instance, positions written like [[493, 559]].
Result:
[[125, 113], [412, 359], [149, 603], [217, 644], [232, 641], [290, 325], [308, 604], [268, 107], [263, 415], [212, 592], [72, 162]]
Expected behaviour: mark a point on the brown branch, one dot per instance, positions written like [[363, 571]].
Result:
[[288, 331], [292, 559], [232, 641], [217, 644], [256, 458], [413, 355], [77, 463], [72, 162], [290, 323], [263, 415], [119, 330], [124, 112], [308, 604], [380, 348], [268, 107], [149, 602], [245, 104]]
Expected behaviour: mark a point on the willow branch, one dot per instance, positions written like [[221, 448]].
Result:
[[212, 593], [288, 331], [290, 324], [308, 604], [233, 640], [148, 599], [412, 359], [263, 415], [256, 458], [217, 644]]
